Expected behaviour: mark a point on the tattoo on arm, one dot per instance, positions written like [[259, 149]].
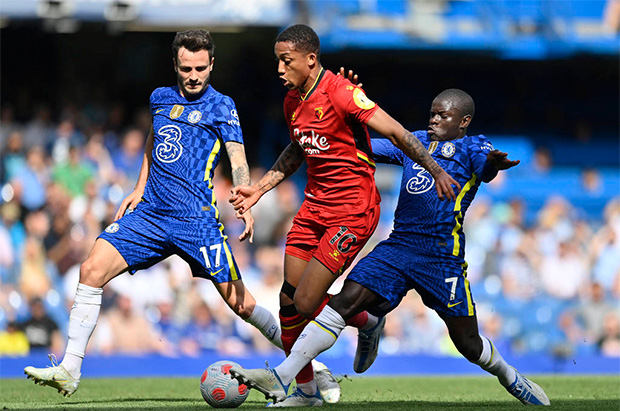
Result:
[[239, 165], [412, 147], [289, 161]]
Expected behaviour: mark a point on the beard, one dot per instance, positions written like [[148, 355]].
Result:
[[192, 94]]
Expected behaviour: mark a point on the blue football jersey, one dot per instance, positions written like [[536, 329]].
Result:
[[420, 216], [188, 139]]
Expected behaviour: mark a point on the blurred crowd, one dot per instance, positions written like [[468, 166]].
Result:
[[549, 286]]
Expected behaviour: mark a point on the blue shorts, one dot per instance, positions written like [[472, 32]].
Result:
[[393, 268], [145, 238]]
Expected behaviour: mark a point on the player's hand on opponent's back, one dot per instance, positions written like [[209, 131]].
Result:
[[351, 76], [244, 197], [499, 160], [129, 203], [443, 185]]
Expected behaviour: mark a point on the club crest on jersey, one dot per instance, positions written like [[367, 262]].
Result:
[[421, 182], [311, 143], [194, 117], [170, 149], [361, 100], [112, 228], [448, 149], [318, 112], [176, 111]]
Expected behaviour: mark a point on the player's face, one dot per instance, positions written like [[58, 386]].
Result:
[[446, 121], [193, 72], [294, 66]]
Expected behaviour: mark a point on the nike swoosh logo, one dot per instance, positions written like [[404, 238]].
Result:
[[450, 305], [215, 273], [159, 111]]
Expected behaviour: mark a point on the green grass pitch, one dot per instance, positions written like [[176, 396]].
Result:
[[583, 393]]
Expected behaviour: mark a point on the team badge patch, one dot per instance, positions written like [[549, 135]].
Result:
[[194, 116], [112, 228], [361, 100], [318, 112], [448, 149], [176, 111]]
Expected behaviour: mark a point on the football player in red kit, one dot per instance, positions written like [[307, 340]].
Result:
[[328, 117]]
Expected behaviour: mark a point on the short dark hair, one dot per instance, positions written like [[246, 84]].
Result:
[[302, 37], [462, 101], [193, 40]]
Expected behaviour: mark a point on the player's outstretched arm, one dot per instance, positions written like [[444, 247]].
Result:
[[495, 162], [241, 176], [245, 196], [384, 124], [131, 201]]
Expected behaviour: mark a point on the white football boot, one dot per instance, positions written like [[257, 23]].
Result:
[[528, 392], [299, 399], [55, 376], [367, 346], [326, 383], [265, 380]]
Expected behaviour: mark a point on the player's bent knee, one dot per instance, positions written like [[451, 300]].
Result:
[[305, 307], [91, 274]]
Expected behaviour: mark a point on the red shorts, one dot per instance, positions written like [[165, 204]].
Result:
[[333, 239]]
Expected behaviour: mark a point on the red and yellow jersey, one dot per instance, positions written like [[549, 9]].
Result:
[[329, 124]]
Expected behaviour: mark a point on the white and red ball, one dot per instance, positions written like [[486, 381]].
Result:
[[219, 389]]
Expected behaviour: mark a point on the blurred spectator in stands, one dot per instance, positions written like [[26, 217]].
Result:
[[543, 160], [612, 16], [13, 341], [98, 159], [65, 137], [41, 330], [89, 208], [519, 270], [167, 324], [7, 126], [34, 280], [555, 224], [565, 272], [13, 158], [30, 182], [127, 159], [591, 182], [7, 257], [72, 174], [584, 324], [130, 333], [605, 247], [491, 325], [609, 344], [39, 131], [422, 329], [11, 216]]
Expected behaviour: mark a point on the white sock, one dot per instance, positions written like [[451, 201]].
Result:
[[318, 336], [82, 322], [266, 323], [492, 362]]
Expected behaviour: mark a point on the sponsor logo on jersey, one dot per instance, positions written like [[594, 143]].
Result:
[[487, 146], [235, 120], [169, 150], [312, 142], [448, 149], [421, 182], [361, 100], [216, 273], [112, 228], [159, 111], [450, 305], [176, 111], [293, 117], [350, 88], [318, 112], [194, 116], [432, 147]]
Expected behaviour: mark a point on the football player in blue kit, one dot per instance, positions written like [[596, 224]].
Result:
[[425, 252], [172, 209]]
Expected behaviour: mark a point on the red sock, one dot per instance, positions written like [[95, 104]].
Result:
[[292, 327], [358, 320]]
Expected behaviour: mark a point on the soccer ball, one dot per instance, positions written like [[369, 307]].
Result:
[[219, 389]]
